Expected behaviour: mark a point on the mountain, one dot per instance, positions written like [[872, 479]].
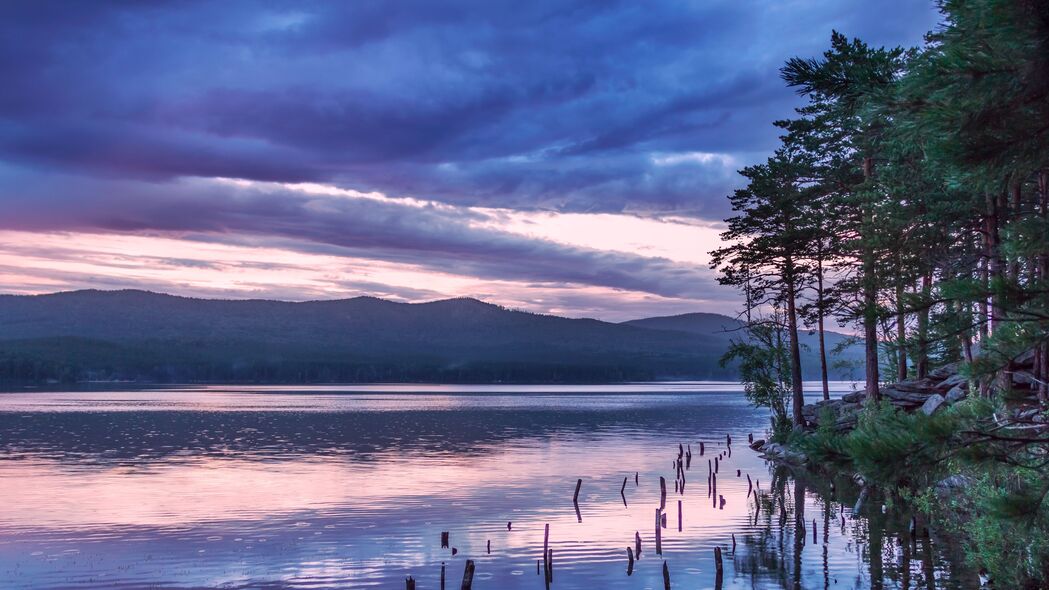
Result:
[[144, 336]]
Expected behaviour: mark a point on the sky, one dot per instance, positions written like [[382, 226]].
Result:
[[559, 157]]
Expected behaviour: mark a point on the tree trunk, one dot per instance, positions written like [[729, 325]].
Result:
[[901, 334], [1017, 206], [921, 364], [870, 298], [1042, 359], [795, 350], [982, 310], [819, 323], [994, 261]]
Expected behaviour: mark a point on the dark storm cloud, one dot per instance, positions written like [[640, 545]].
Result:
[[512, 104]]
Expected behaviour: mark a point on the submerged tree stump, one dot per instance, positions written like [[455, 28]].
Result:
[[468, 575]]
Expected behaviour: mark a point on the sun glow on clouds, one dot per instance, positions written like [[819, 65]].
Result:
[[678, 239], [245, 265], [196, 265]]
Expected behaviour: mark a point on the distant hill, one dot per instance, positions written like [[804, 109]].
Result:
[[717, 326], [143, 336]]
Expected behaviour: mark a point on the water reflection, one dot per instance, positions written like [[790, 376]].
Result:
[[242, 488]]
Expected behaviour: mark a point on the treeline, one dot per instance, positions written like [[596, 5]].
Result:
[[78, 360], [909, 197]]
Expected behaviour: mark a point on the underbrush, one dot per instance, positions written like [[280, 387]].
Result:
[[961, 467]]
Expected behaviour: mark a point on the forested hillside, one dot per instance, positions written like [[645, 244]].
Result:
[[137, 335]]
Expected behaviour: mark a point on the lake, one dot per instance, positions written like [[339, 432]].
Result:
[[351, 487]]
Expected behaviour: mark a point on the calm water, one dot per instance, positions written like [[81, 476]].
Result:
[[351, 487]]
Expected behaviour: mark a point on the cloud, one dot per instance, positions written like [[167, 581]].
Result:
[[526, 105], [443, 238]]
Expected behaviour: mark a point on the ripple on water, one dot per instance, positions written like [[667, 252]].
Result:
[[230, 487]]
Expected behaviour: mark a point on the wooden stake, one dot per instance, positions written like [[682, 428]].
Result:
[[719, 577], [679, 518], [659, 534], [637, 544], [409, 583], [578, 484], [666, 576], [630, 561], [444, 540], [468, 575]]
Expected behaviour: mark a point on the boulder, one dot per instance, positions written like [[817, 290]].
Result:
[[903, 397], [854, 397], [756, 445], [779, 452], [941, 373], [1024, 378], [956, 394], [952, 484], [934, 403], [952, 381], [1026, 358], [843, 415]]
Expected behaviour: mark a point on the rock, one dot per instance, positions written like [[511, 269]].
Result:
[[1024, 378], [933, 404], [941, 373], [900, 397], [779, 452], [951, 382], [756, 445], [952, 484], [956, 394], [1026, 358], [854, 397]]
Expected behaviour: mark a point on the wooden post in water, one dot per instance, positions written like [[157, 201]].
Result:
[[733, 543], [546, 551], [630, 561], [701, 448], [578, 484], [468, 575], [489, 546], [409, 583], [662, 492], [666, 576], [550, 567], [444, 540], [719, 576], [679, 518], [659, 534], [637, 544], [442, 575], [635, 478]]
